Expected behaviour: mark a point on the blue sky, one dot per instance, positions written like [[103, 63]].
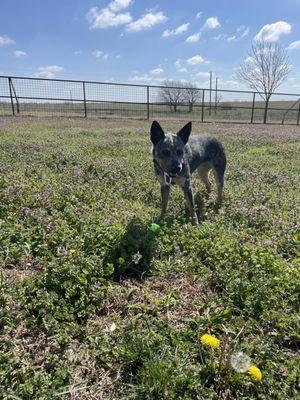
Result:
[[143, 41]]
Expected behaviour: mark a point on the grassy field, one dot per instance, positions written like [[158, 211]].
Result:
[[95, 305]]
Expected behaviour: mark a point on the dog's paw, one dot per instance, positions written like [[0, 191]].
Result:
[[195, 221], [217, 207]]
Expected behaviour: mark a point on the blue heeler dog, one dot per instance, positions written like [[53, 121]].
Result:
[[176, 157]]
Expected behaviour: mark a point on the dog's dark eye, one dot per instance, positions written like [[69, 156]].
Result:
[[166, 153], [179, 152]]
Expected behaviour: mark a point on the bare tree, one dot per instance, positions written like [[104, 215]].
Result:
[[191, 94], [265, 69], [173, 94]]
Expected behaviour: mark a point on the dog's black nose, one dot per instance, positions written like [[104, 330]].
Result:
[[176, 170]]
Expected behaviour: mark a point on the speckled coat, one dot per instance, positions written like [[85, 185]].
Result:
[[177, 156]]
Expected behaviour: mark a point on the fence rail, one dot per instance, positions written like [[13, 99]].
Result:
[[60, 97]]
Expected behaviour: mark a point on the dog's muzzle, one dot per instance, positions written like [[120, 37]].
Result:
[[175, 172]]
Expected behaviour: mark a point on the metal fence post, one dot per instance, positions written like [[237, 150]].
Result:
[[11, 97], [148, 103], [253, 105], [13, 91], [216, 96], [202, 106], [266, 108], [84, 99], [210, 87], [298, 116]]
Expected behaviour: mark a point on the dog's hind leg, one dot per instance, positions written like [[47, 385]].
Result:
[[218, 171], [203, 171]]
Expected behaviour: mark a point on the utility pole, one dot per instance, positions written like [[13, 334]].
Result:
[[216, 96], [210, 87]]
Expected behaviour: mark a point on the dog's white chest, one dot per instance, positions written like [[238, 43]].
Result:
[[178, 180]]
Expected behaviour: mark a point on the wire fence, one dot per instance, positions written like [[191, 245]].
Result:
[[57, 97]]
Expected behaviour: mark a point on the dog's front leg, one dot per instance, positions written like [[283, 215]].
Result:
[[165, 190], [189, 197]]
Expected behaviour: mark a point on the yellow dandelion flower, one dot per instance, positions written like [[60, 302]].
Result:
[[209, 340], [72, 251], [255, 373]]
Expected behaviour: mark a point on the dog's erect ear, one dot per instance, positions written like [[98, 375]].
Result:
[[156, 132], [185, 132]]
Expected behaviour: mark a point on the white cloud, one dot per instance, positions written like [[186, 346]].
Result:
[[229, 83], [272, 32], [146, 78], [6, 40], [140, 78], [159, 80], [77, 53], [195, 60], [118, 5], [249, 60], [199, 14], [105, 18], [212, 23], [49, 71], [182, 70], [294, 45], [182, 28], [240, 28], [221, 36], [202, 84], [109, 80], [241, 32], [20, 53], [203, 74], [266, 50], [193, 38], [178, 63], [99, 54], [147, 21], [245, 33], [156, 71]]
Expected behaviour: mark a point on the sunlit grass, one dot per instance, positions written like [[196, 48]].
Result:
[[98, 301]]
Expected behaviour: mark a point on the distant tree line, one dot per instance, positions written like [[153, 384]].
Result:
[[176, 93]]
